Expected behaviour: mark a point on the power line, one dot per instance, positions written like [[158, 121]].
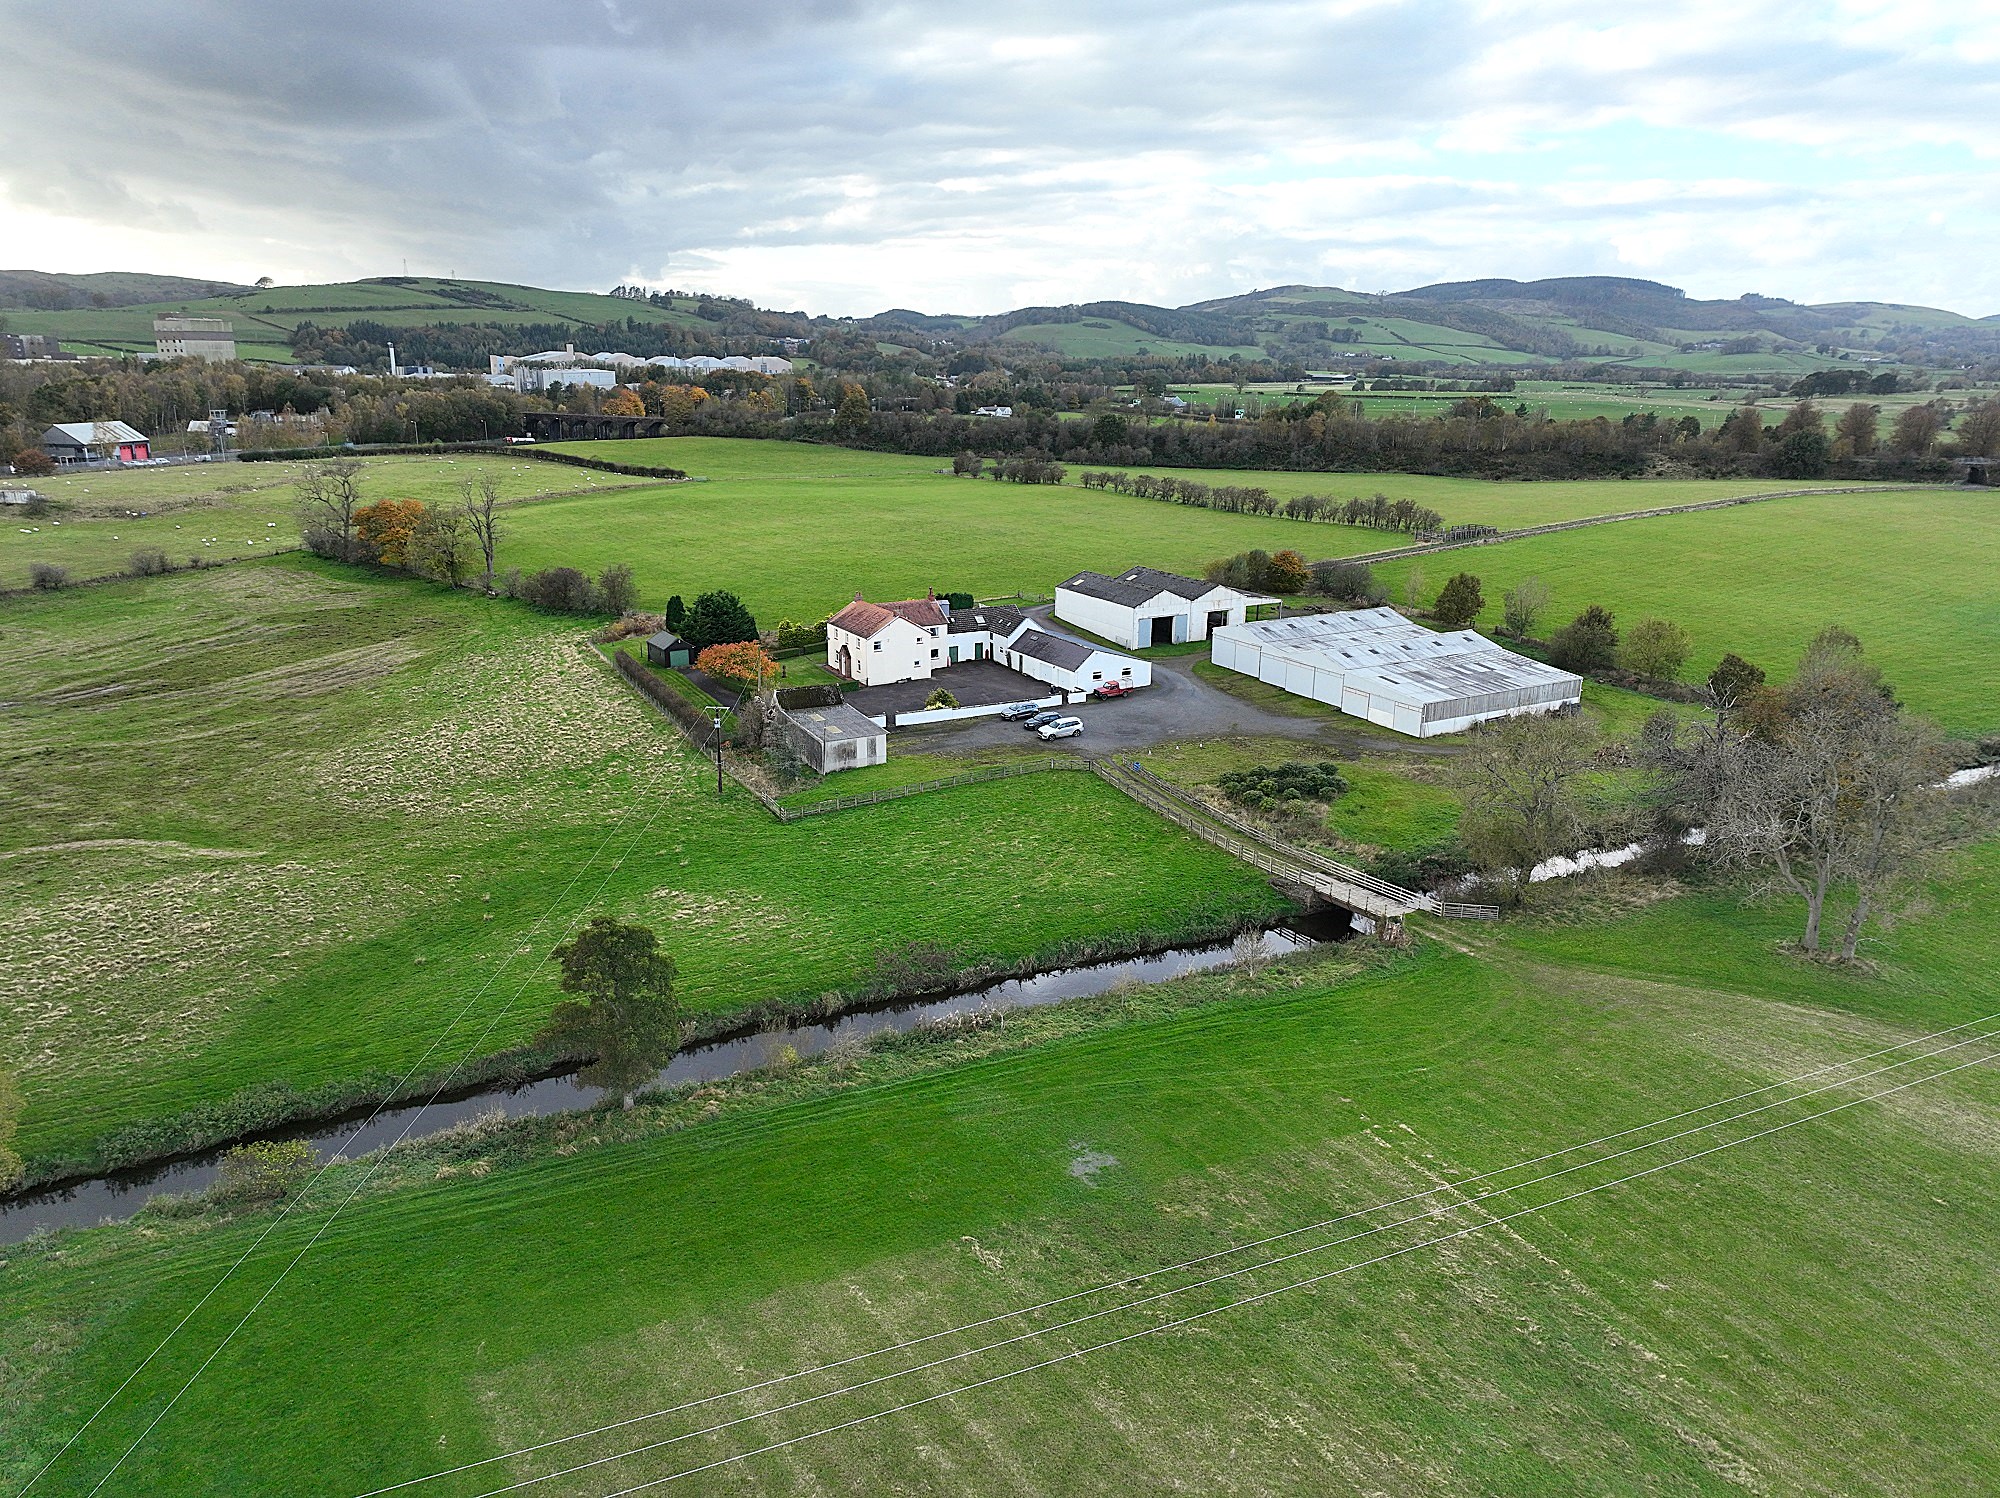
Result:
[[1263, 1295], [1198, 1284], [1244, 1247], [278, 1220]]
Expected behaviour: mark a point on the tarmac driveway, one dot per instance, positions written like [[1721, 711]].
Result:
[[1178, 706]]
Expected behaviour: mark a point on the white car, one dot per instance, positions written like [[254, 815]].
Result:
[[1062, 728]]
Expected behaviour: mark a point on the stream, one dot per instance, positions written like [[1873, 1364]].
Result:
[[118, 1195]]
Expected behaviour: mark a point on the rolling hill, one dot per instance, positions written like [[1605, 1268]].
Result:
[[1464, 324]]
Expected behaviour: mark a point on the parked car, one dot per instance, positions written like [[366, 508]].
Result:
[[1112, 689], [1014, 712], [1040, 720], [1061, 728]]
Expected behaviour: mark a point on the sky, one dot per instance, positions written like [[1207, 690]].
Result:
[[840, 157]]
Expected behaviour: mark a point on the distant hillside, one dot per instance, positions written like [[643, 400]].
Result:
[[1609, 319], [1495, 323], [267, 319], [48, 291]]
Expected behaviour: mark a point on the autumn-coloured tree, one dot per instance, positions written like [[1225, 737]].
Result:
[[679, 402], [743, 664], [850, 418], [386, 526], [1288, 573], [624, 401]]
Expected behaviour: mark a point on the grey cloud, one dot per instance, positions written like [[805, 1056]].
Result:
[[576, 143]]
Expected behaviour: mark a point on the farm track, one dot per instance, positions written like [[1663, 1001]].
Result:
[[1400, 553]]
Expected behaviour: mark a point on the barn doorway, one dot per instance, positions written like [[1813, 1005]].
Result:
[[1217, 619], [1163, 631]]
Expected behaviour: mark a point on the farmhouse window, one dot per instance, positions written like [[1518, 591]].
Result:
[[878, 644]]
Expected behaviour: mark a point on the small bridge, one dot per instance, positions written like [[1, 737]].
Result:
[[1324, 877]]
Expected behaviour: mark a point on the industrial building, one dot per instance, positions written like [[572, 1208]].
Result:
[[95, 442], [210, 338], [1377, 665]]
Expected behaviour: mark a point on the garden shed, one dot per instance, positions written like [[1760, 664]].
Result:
[[1375, 664], [668, 649]]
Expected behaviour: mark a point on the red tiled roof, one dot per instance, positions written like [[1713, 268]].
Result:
[[866, 619], [919, 611], [861, 618]]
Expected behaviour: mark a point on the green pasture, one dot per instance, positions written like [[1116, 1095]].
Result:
[[1506, 505], [798, 529], [1106, 338], [269, 316], [287, 823], [1911, 573], [219, 511], [1799, 1312]]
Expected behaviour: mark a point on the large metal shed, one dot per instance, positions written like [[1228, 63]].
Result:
[[1375, 664]]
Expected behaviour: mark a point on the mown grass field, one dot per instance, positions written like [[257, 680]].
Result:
[[1801, 1312], [286, 823], [798, 529], [1910, 573], [222, 511]]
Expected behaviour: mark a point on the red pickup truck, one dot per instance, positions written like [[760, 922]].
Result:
[[1112, 689]]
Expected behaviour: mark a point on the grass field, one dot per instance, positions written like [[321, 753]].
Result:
[[263, 320], [224, 510], [1910, 573], [279, 823], [796, 529], [1802, 1312]]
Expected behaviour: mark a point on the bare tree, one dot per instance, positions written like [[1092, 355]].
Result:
[[480, 499], [329, 494], [1831, 789], [1524, 604], [1520, 788]]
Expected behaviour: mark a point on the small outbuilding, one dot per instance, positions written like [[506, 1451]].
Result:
[[833, 738], [1070, 665], [668, 649], [1144, 606]]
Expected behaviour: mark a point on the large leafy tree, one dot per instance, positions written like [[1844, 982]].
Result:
[[1459, 601], [622, 1011]]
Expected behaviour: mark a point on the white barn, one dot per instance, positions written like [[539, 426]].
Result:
[[1144, 606], [1070, 665], [1375, 664]]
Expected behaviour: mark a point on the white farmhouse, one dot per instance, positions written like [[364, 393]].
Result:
[[1375, 664], [875, 643], [1144, 606]]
